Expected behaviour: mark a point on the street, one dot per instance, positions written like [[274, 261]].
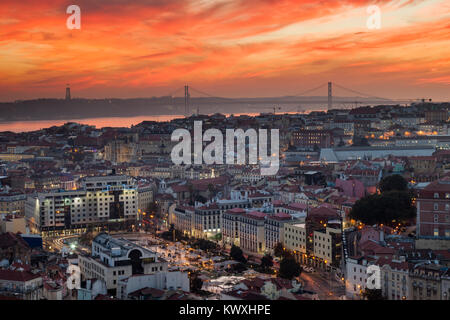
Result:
[[324, 284]]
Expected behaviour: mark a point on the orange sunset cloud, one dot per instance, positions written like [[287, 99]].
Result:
[[228, 48]]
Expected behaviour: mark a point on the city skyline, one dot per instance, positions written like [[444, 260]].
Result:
[[226, 48]]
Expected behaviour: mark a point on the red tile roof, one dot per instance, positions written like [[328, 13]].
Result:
[[19, 276]]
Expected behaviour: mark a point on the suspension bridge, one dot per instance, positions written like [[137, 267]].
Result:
[[194, 98]]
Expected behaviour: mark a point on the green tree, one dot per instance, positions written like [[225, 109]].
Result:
[[289, 268], [385, 208], [204, 244], [278, 249], [393, 182], [237, 254], [238, 267], [196, 284], [266, 262]]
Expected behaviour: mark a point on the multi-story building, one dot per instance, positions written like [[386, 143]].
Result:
[[422, 165], [425, 282], [312, 138], [21, 284], [145, 196], [230, 226], [252, 232], [205, 220], [295, 237], [327, 246], [346, 125], [394, 279], [436, 115], [182, 218], [356, 276], [12, 203], [274, 228], [102, 200], [120, 151], [114, 259], [433, 210], [14, 248]]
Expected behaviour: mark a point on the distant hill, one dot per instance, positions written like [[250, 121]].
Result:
[[60, 109]]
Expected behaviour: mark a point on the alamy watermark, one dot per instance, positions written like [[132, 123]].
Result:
[[74, 280], [373, 277], [374, 20], [214, 151], [74, 20]]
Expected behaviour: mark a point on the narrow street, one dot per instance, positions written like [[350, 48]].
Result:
[[324, 284]]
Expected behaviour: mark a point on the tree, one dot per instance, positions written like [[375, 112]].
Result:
[[289, 268], [196, 284], [238, 267], [385, 208], [237, 254], [204, 244], [266, 262], [373, 294], [393, 182], [278, 249]]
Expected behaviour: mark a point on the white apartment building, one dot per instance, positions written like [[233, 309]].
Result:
[[182, 218], [145, 197], [252, 232], [230, 226], [394, 279], [101, 200], [327, 245], [274, 229], [356, 276], [205, 220], [114, 259], [21, 284], [295, 237]]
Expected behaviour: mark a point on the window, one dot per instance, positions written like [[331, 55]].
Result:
[[436, 206], [436, 232], [436, 195]]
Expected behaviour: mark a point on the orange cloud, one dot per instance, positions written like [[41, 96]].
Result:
[[245, 47]]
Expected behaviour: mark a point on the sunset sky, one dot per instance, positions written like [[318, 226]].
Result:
[[230, 48]]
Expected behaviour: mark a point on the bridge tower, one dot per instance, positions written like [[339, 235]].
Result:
[[186, 100], [67, 92], [330, 96]]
